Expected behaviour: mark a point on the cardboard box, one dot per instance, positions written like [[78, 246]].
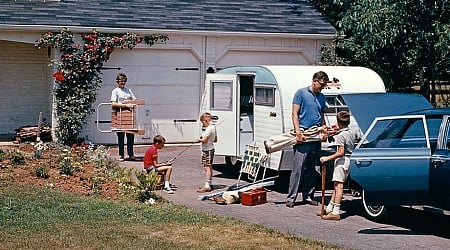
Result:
[[254, 197], [123, 119], [137, 102]]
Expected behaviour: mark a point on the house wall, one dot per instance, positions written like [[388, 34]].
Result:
[[169, 77], [25, 86], [173, 97]]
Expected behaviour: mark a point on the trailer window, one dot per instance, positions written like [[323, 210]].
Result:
[[265, 96], [334, 104], [221, 95]]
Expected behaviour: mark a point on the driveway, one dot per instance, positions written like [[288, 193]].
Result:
[[410, 229]]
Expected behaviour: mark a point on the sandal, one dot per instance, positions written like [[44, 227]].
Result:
[[204, 189]]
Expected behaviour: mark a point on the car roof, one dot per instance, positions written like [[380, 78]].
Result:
[[431, 112], [366, 107]]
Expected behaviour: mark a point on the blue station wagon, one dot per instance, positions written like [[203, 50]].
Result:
[[403, 158]]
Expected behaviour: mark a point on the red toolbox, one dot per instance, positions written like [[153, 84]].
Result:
[[254, 197]]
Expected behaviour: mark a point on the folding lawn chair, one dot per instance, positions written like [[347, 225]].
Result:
[[251, 163]]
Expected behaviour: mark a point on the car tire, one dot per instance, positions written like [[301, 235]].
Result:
[[375, 213], [233, 161]]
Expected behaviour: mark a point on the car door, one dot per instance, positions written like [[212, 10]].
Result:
[[440, 165], [391, 162]]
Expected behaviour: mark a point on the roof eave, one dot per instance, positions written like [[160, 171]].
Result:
[[80, 29]]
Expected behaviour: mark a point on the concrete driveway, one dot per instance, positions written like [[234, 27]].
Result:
[[409, 230]]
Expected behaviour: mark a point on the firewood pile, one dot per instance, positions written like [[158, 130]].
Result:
[[29, 133]]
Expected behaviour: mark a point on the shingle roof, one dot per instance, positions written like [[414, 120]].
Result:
[[262, 16]]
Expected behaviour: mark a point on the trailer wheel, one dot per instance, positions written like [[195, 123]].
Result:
[[375, 213], [232, 161]]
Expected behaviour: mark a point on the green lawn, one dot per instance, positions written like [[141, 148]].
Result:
[[42, 218]]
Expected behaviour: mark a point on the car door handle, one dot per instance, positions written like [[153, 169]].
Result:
[[439, 159], [363, 162]]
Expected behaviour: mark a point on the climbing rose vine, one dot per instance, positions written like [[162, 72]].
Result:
[[78, 73]]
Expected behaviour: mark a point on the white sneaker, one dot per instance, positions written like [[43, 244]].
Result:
[[168, 190]]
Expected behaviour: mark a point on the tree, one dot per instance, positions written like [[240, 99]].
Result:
[[78, 75], [396, 38]]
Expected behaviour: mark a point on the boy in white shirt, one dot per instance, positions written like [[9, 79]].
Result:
[[207, 139]]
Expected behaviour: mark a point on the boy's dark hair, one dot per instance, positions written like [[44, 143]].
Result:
[[343, 118], [320, 75], [159, 139]]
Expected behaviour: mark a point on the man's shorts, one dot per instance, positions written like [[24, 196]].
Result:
[[208, 157], [151, 169], [341, 167]]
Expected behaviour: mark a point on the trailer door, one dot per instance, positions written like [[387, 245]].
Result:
[[222, 104]]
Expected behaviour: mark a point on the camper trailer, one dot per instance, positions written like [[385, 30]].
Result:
[[252, 103]]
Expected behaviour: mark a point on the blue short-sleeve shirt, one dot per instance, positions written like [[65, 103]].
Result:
[[312, 106]]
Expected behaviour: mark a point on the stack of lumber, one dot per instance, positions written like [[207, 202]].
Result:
[[29, 133]]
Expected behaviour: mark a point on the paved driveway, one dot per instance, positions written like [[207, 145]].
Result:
[[409, 230]]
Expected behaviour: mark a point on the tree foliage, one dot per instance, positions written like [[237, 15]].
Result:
[[396, 38], [78, 74]]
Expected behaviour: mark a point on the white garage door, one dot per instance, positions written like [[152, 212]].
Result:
[[233, 58], [24, 86], [169, 83]]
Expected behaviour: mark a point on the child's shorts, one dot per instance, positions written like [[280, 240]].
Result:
[[151, 169], [207, 157], [341, 167]]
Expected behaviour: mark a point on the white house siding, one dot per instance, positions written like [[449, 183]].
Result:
[[25, 85]]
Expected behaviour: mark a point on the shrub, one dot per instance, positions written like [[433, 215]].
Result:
[[17, 157], [65, 163], [2, 155], [41, 171]]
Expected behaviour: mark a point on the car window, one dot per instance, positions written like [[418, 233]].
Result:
[[433, 124], [448, 134], [396, 133]]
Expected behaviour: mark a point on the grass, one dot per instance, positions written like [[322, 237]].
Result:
[[43, 218]]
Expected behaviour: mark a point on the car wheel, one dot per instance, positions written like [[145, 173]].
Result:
[[375, 213], [233, 161]]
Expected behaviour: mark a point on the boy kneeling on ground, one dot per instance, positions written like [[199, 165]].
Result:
[[151, 163]]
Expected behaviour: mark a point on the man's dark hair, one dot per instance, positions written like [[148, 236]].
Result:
[[320, 75]]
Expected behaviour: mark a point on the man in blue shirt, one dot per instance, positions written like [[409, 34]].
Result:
[[308, 107]]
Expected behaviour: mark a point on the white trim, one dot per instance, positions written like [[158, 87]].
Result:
[[229, 48], [194, 52], [79, 29]]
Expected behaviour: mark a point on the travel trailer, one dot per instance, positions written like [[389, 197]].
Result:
[[252, 103]]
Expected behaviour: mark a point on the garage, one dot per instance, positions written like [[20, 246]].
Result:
[[24, 85], [169, 82]]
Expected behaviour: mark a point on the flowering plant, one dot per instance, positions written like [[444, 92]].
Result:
[[78, 74]]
